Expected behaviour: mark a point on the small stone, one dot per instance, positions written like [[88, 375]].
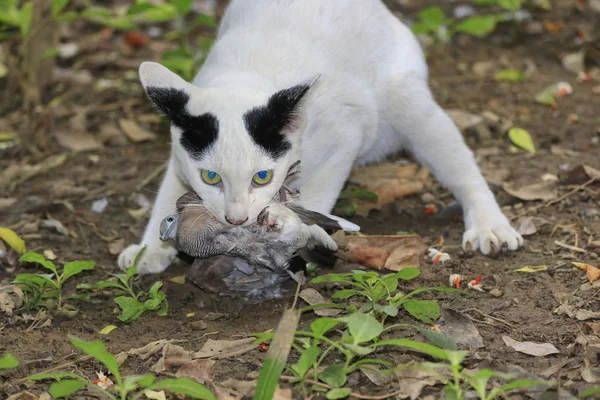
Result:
[[30, 227], [199, 325], [496, 292], [427, 198]]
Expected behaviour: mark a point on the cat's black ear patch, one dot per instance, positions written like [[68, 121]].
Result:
[[198, 132], [268, 124]]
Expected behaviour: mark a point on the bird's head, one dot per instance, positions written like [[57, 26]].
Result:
[[168, 227]]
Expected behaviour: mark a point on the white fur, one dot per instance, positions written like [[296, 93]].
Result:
[[371, 100]]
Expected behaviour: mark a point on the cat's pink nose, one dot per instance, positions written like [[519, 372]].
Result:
[[236, 221]]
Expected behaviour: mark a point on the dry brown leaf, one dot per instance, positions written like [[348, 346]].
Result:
[[143, 352], [312, 297], [464, 119], [77, 141], [373, 373], [460, 328], [592, 172], [531, 348], [379, 252], [135, 132], [199, 370], [23, 396], [545, 191], [526, 226], [11, 297], [594, 326], [218, 349], [412, 380], [115, 247], [586, 372]]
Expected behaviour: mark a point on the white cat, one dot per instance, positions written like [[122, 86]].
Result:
[[335, 84]]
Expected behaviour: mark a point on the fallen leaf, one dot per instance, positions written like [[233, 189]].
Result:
[[538, 191], [374, 374], [379, 252], [107, 329], [54, 225], [180, 280], [23, 396], [411, 379], [77, 140], [199, 370], [154, 395], [11, 238], [460, 328], [134, 132], [526, 226], [312, 297], [592, 272], [574, 62], [521, 138], [586, 372], [218, 349], [19, 173], [116, 246], [510, 75], [539, 268], [464, 119], [143, 352], [531, 348]]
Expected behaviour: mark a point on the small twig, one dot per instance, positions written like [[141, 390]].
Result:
[[561, 198], [157, 171], [353, 394], [489, 316], [58, 367], [570, 247]]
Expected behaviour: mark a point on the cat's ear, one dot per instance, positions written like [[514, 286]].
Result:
[[287, 104], [167, 90]]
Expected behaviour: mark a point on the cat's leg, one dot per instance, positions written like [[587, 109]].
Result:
[[158, 254], [436, 141]]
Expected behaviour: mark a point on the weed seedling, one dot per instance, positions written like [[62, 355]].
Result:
[[133, 303], [41, 287], [68, 383]]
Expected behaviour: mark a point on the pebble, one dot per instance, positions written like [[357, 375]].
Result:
[[199, 325], [427, 198], [496, 292]]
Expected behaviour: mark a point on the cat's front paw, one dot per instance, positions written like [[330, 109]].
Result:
[[155, 259], [490, 238]]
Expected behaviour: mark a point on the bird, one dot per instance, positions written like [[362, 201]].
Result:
[[280, 230]]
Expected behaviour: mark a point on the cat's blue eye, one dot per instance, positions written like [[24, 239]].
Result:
[[262, 177], [210, 177]]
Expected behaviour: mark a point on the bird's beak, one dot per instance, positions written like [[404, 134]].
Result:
[[165, 235]]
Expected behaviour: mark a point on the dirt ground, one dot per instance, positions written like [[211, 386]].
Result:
[[523, 308]]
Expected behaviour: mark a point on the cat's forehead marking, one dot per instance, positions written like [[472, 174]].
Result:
[[198, 133]]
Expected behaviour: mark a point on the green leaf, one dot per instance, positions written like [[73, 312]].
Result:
[[338, 393], [39, 259], [322, 325], [8, 361], [510, 75], [65, 388], [182, 6], [520, 137], [423, 310], [510, 5], [433, 16], [206, 20], [25, 18], [334, 376], [417, 346], [360, 350], [345, 294], [160, 12], [519, 384], [97, 350], [130, 307], [438, 338], [75, 267], [479, 25], [406, 274], [306, 361], [360, 194], [38, 279], [590, 392], [421, 28], [100, 285], [58, 5], [185, 386], [363, 327], [54, 375], [12, 239], [153, 292], [134, 381], [388, 310]]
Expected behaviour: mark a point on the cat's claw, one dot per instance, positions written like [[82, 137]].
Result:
[[491, 240], [154, 260]]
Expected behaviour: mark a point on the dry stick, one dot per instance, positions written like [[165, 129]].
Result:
[[353, 394], [58, 367], [561, 198], [157, 171], [300, 279]]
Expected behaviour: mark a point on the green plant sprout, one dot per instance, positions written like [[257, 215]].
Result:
[[382, 295], [68, 383], [130, 301], [41, 287]]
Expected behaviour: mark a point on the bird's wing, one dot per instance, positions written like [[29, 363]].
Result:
[[325, 221]]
